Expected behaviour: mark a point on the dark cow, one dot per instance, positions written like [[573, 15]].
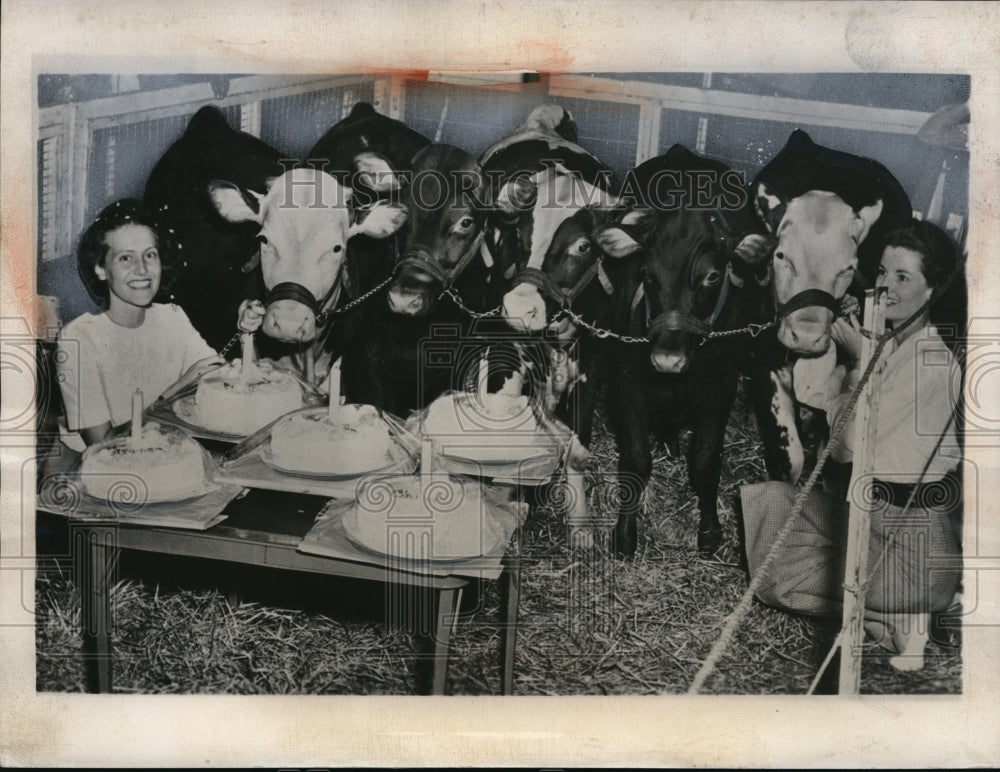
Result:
[[693, 271], [214, 272], [828, 211], [228, 198]]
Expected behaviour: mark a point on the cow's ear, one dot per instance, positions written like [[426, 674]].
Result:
[[770, 205], [375, 172], [864, 219], [382, 219], [755, 248], [517, 195], [615, 242], [233, 203]]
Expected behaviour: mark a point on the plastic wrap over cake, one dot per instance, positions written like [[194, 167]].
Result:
[[436, 518], [494, 429], [230, 402], [164, 464], [353, 440]]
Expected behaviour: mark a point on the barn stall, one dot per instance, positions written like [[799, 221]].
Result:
[[587, 624]]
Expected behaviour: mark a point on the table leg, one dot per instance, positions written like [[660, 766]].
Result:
[[447, 607], [94, 547], [509, 604]]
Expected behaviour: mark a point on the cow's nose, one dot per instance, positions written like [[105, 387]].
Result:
[[804, 337], [289, 321], [405, 303], [668, 362]]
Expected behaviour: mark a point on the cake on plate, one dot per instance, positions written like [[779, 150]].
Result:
[[407, 517], [355, 440], [163, 465], [460, 413], [229, 403]]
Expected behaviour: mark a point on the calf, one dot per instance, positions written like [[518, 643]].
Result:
[[229, 199], [694, 273], [828, 211]]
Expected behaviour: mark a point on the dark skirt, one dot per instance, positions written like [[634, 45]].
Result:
[[914, 560]]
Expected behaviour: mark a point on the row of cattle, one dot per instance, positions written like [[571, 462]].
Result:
[[663, 287]]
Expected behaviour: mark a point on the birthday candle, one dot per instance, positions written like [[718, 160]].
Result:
[[137, 415], [335, 398], [425, 460], [247, 364], [484, 370]]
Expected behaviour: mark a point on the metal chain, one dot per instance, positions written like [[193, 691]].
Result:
[[457, 300], [594, 330], [230, 344], [333, 312], [362, 298], [753, 329]]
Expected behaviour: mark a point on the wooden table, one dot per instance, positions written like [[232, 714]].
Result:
[[263, 529]]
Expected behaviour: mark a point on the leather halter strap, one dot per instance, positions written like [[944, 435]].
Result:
[[806, 298], [564, 297], [290, 290], [422, 260], [681, 321]]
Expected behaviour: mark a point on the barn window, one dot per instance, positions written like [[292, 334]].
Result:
[[48, 236], [294, 123]]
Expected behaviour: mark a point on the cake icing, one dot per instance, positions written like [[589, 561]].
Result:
[[461, 413], [162, 465], [225, 402], [354, 441], [443, 518]]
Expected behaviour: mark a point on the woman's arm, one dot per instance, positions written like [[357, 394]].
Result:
[[94, 434]]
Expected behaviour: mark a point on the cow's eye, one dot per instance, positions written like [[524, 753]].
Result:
[[711, 278], [262, 238], [779, 255], [580, 247], [464, 225], [337, 248]]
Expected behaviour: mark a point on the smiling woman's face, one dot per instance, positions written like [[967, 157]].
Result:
[[900, 271], [131, 266]]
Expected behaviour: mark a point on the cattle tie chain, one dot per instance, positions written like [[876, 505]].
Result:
[[753, 329], [457, 300], [334, 312]]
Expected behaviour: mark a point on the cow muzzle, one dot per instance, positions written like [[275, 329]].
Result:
[[806, 331], [524, 309], [669, 361], [289, 321]]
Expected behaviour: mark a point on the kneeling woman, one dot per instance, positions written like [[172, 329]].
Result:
[[915, 498]]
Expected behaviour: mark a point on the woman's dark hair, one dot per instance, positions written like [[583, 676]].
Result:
[[938, 263], [938, 255], [93, 247]]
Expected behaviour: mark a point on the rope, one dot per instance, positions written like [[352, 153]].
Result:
[[863, 589], [743, 607]]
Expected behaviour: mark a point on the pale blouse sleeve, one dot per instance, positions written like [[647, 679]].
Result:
[[194, 346], [81, 382]]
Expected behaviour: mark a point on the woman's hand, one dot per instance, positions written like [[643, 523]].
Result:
[[250, 315], [193, 373], [846, 333]]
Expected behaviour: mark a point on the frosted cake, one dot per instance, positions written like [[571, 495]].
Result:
[[354, 441], [225, 402], [164, 464]]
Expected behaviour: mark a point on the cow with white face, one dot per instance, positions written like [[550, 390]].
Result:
[[828, 211], [305, 223], [823, 206]]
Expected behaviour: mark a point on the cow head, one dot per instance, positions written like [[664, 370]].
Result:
[[305, 223], [816, 253], [444, 203], [827, 209], [559, 215], [688, 277]]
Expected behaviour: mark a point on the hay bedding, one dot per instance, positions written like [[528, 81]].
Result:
[[588, 624]]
